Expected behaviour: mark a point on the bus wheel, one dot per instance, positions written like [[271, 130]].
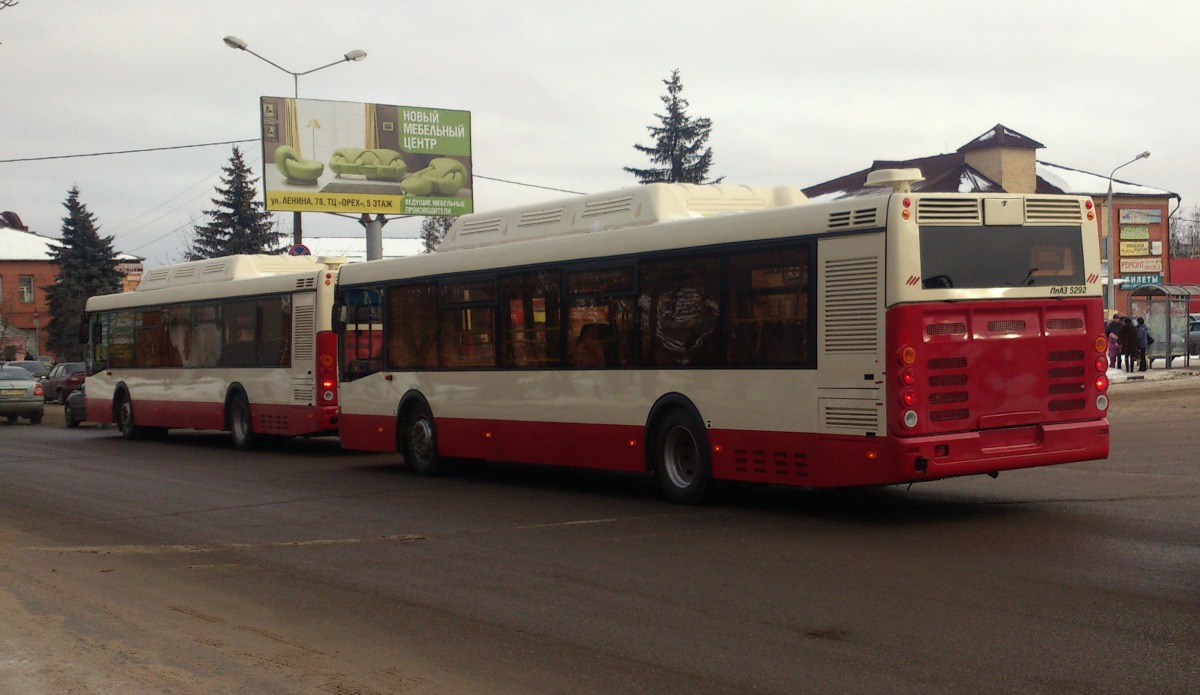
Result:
[[420, 442], [681, 459], [240, 429], [125, 418]]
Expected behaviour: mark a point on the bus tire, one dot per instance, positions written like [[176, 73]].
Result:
[[682, 462], [124, 417], [420, 441], [241, 429]]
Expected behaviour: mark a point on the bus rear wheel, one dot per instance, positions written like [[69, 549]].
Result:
[[240, 427], [681, 459], [420, 441]]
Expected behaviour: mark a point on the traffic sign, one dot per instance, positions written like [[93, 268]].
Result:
[[299, 250]]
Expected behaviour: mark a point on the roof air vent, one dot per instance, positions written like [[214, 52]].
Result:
[[899, 180]]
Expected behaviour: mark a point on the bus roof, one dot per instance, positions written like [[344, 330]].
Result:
[[628, 207], [228, 268]]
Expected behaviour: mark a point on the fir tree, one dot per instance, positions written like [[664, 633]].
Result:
[[238, 224], [433, 230], [679, 142], [87, 266]]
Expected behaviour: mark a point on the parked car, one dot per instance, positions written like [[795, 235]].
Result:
[[62, 380], [20, 395], [75, 409], [37, 369], [1193, 340]]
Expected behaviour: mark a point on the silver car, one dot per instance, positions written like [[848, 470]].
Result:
[[20, 395]]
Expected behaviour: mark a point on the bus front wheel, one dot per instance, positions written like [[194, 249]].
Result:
[[240, 428], [125, 424], [420, 442], [681, 459]]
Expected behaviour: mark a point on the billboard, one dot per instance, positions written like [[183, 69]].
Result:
[[339, 156]]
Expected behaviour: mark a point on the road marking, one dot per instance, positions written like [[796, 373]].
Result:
[[216, 548]]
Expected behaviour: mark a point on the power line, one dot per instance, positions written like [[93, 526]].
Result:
[[105, 154], [237, 142]]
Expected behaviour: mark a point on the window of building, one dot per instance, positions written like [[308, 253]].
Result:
[[25, 289]]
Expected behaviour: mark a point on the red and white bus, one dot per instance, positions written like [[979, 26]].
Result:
[[734, 333], [240, 343]]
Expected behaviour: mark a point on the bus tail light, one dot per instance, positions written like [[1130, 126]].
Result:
[[327, 376], [908, 398], [1101, 345], [910, 418], [1102, 402], [1102, 364], [1102, 383]]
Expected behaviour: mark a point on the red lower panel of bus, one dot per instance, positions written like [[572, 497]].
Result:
[[283, 420], [812, 460]]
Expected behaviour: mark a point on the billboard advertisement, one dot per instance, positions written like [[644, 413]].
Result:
[[339, 156]]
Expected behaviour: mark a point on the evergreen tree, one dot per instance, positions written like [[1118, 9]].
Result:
[[238, 224], [679, 142], [433, 230], [87, 265]]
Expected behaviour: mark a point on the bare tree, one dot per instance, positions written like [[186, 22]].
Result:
[[1185, 233]]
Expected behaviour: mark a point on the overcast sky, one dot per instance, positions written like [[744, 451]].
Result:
[[799, 92]]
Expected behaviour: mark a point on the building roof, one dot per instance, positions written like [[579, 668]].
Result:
[[950, 173], [20, 245], [1001, 136]]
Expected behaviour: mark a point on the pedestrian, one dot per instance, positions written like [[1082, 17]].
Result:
[[1143, 339], [1129, 342], [1112, 331]]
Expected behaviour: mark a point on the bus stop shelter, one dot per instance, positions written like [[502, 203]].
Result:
[[1165, 310]]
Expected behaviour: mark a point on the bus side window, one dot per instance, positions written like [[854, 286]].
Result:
[[768, 308]]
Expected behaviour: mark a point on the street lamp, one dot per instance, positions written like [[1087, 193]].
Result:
[[1108, 226], [355, 56]]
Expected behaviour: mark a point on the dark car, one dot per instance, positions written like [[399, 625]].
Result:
[[62, 380], [75, 410], [36, 369], [20, 395]]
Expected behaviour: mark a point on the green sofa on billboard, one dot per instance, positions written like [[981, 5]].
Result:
[[296, 171], [378, 164], [443, 176]]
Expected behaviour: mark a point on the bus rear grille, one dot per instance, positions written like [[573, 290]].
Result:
[[1073, 324], [1067, 404], [777, 464], [955, 328], [1066, 372], [1006, 326], [948, 363], [1051, 210], [949, 211], [944, 380], [948, 415], [1067, 356], [947, 397], [1066, 389], [272, 423]]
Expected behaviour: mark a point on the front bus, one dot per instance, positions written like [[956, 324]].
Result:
[[995, 341]]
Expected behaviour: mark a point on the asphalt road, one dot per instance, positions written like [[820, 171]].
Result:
[[182, 566]]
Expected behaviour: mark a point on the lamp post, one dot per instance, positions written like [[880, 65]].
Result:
[[1108, 226], [355, 55]]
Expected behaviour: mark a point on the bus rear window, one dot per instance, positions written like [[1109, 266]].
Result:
[[1001, 256]]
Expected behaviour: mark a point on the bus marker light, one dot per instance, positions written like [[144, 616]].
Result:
[[487, 435], [906, 214], [1101, 344], [908, 202], [632, 442], [908, 355], [872, 455], [326, 360], [1091, 215], [1087, 204], [716, 448], [910, 419], [1102, 402]]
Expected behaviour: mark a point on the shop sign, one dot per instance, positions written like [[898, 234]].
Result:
[[1135, 232], [1132, 281], [1135, 248], [1136, 216], [1133, 266]]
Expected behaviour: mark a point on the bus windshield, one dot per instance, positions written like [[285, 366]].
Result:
[[1000, 256]]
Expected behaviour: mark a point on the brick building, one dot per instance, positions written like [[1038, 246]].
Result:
[[26, 269], [1002, 160]]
